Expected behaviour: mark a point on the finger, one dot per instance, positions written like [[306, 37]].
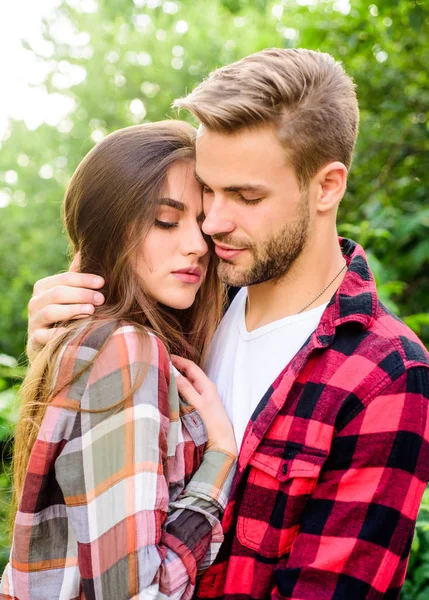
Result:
[[79, 280], [56, 313], [186, 365], [196, 376], [75, 263], [63, 294], [188, 392]]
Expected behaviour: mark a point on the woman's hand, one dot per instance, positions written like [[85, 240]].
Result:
[[201, 393]]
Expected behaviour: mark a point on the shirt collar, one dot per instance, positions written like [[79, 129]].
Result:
[[355, 301]]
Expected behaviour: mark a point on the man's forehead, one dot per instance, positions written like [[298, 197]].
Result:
[[251, 159], [237, 150]]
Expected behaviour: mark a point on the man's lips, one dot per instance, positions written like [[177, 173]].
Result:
[[228, 253], [188, 274]]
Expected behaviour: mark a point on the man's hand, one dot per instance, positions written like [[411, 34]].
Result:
[[60, 298]]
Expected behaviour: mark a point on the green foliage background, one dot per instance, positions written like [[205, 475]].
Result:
[[155, 51]]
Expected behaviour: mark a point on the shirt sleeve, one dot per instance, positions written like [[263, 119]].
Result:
[[357, 527], [113, 472]]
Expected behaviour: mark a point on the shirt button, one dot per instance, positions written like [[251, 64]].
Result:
[[284, 469]]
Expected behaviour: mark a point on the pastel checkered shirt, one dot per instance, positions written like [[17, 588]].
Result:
[[110, 509]]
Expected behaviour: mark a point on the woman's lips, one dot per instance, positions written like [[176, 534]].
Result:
[[191, 275], [227, 253]]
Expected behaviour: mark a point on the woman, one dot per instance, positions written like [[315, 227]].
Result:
[[118, 491]]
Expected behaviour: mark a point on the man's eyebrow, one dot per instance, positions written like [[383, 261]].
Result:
[[173, 203], [244, 188], [235, 188]]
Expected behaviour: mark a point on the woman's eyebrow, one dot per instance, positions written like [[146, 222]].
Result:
[[172, 203]]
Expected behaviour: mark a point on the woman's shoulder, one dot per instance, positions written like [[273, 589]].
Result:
[[120, 343], [143, 345], [105, 361]]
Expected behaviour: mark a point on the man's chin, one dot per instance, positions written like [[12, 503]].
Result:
[[233, 275]]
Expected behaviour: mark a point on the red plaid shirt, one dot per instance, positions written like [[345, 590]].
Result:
[[334, 461]]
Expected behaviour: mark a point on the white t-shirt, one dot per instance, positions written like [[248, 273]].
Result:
[[243, 365]]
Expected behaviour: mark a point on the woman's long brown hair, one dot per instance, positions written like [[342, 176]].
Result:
[[109, 204]]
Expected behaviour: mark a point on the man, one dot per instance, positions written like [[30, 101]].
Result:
[[327, 390]]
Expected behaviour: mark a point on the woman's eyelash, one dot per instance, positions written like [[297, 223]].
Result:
[[164, 224]]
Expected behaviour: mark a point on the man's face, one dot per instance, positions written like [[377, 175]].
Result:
[[255, 211]]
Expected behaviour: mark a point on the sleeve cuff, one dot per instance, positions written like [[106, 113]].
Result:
[[213, 480]]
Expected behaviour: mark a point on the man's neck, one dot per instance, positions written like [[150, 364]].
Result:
[[311, 272]]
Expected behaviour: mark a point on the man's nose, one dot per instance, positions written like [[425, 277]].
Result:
[[218, 219]]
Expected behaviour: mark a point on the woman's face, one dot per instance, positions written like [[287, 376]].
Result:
[[173, 257]]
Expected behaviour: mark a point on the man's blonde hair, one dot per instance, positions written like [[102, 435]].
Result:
[[304, 95]]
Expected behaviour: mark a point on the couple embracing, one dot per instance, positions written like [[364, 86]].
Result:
[[165, 449]]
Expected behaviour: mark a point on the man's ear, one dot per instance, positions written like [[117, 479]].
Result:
[[332, 182]]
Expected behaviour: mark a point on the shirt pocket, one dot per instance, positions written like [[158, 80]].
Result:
[[280, 481]]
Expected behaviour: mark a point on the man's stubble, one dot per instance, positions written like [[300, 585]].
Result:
[[273, 258]]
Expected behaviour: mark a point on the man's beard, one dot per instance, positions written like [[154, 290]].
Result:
[[273, 258]]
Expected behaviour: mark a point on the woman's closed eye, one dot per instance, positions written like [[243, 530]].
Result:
[[167, 217], [165, 224]]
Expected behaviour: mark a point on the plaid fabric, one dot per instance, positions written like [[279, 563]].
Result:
[[334, 461], [110, 509]]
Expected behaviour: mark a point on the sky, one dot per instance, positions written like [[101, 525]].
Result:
[[18, 19], [22, 74]]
